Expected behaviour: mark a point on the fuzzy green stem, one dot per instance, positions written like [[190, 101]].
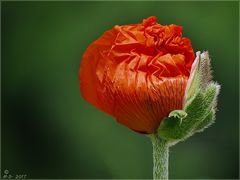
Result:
[[160, 157]]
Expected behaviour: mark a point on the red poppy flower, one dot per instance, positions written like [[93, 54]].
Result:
[[137, 73]]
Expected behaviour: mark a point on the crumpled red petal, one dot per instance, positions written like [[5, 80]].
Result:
[[137, 73]]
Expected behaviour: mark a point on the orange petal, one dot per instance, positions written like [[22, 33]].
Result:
[[92, 67], [142, 100], [137, 73]]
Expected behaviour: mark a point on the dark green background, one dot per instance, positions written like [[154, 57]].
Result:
[[49, 131]]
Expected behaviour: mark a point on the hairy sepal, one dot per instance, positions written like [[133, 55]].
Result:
[[200, 76], [199, 104], [199, 113]]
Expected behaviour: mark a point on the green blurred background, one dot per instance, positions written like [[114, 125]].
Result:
[[49, 131]]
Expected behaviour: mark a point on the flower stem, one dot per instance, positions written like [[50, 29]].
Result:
[[160, 157]]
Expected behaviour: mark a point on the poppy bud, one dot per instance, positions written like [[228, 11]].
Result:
[[147, 77]]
